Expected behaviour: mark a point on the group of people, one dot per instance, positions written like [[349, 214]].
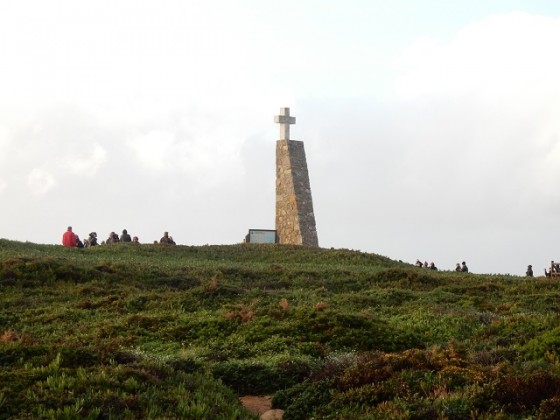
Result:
[[71, 240], [459, 267], [554, 270], [431, 266], [462, 267], [125, 237]]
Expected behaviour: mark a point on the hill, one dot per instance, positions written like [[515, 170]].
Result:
[[158, 331]]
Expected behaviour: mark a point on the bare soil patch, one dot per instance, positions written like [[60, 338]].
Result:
[[256, 404]]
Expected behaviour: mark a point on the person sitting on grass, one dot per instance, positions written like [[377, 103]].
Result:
[[166, 239], [125, 237], [69, 238], [92, 240], [113, 238]]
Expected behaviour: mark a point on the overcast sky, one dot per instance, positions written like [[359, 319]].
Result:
[[431, 128]]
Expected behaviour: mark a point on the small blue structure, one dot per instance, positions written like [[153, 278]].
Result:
[[261, 236]]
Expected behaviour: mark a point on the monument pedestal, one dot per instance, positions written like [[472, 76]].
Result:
[[295, 220]]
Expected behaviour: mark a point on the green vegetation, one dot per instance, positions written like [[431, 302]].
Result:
[[155, 331]]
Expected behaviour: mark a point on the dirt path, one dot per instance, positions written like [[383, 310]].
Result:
[[255, 404]]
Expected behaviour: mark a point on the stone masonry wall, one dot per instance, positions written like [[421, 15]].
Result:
[[295, 220]]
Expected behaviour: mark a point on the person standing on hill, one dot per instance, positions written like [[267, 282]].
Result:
[[464, 268], [529, 272], [69, 238]]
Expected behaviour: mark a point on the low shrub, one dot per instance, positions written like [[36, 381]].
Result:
[[521, 392], [548, 342], [301, 401], [262, 376]]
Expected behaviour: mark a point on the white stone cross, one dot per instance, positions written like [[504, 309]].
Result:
[[284, 120]]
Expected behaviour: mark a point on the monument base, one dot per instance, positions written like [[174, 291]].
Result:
[[295, 220]]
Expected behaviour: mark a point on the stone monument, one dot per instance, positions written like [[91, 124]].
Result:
[[295, 220]]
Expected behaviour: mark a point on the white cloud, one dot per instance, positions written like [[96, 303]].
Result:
[[501, 58], [5, 140], [490, 97], [88, 165], [153, 148], [40, 181]]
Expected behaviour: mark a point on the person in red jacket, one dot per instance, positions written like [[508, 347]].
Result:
[[69, 238]]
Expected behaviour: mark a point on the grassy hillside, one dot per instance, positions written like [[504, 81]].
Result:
[[180, 332]]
